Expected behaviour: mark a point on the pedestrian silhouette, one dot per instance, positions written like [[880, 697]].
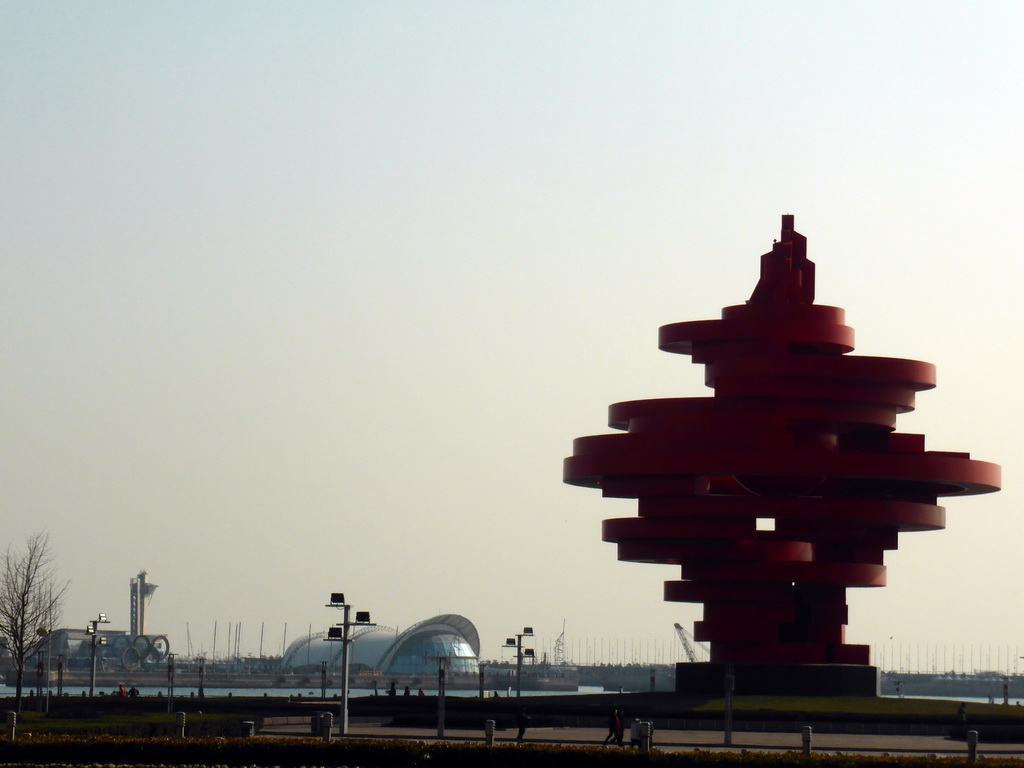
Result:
[[522, 719], [614, 726]]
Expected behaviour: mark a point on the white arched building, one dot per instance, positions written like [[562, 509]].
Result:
[[386, 651]]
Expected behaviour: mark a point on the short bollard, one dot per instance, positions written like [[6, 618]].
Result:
[[326, 723], [248, 727], [180, 724], [489, 733], [12, 721], [805, 737], [646, 733], [972, 746]]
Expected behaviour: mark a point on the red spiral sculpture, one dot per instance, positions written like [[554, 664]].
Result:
[[785, 487]]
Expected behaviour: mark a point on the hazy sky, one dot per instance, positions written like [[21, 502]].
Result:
[[311, 297]]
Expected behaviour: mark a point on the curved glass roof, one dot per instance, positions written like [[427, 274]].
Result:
[[388, 651]]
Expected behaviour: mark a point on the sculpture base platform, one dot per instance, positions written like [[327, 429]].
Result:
[[708, 679]]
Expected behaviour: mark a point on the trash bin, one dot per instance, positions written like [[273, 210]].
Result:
[[326, 723]]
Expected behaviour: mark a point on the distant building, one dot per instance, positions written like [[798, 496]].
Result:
[[116, 650], [141, 593], [387, 651]]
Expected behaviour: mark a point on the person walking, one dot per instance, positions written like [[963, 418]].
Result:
[[614, 725], [522, 719], [620, 726]]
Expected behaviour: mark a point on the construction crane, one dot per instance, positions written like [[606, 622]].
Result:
[[559, 654], [690, 643]]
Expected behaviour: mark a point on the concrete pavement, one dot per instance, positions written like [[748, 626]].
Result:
[[670, 741]]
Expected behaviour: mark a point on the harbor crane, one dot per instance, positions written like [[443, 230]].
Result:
[[690, 644], [559, 651]]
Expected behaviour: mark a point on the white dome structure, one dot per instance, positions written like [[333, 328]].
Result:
[[389, 652]]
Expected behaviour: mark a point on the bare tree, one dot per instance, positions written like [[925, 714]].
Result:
[[30, 601]]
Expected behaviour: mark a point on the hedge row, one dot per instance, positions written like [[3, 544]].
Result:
[[379, 753], [146, 726]]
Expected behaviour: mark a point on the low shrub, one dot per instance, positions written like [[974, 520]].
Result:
[[383, 753], [133, 726]]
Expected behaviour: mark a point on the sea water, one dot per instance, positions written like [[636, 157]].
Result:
[[295, 693]]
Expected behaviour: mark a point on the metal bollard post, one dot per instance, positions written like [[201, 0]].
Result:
[[805, 737], [646, 729], [12, 721], [972, 746], [489, 733], [326, 723], [180, 720]]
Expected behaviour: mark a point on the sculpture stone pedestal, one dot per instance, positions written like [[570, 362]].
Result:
[[708, 679]]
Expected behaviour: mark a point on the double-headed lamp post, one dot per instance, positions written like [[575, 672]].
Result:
[[96, 640], [341, 633], [517, 643]]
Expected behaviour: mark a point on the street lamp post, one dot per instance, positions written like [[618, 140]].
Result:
[[40, 669], [444, 663], [96, 640], [202, 676], [49, 655], [170, 682], [442, 674], [517, 643], [341, 633], [43, 669]]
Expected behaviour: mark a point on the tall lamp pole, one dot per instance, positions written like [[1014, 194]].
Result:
[[44, 669], [170, 682], [40, 669], [517, 643], [341, 633], [442, 675], [96, 640], [202, 676]]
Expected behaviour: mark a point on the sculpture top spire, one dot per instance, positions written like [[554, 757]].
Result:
[[787, 275]]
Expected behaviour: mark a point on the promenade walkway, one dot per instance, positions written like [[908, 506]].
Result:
[[676, 741]]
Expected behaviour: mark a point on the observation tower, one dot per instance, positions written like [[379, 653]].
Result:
[[780, 491]]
